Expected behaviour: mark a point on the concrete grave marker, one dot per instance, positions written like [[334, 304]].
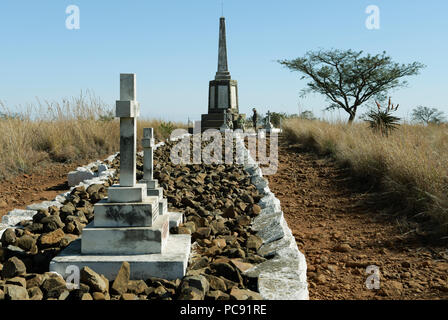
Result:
[[128, 225], [152, 185], [153, 188], [268, 125], [128, 109]]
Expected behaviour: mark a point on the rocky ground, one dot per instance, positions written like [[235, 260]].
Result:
[[335, 227], [341, 235], [219, 203]]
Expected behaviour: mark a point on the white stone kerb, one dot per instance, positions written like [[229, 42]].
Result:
[[283, 276]]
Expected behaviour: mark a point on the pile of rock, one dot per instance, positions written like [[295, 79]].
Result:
[[35, 242], [20, 285], [103, 175], [220, 203]]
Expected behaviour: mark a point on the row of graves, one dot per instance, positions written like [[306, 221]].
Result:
[[131, 226]]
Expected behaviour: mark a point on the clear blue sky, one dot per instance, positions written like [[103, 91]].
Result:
[[172, 45]]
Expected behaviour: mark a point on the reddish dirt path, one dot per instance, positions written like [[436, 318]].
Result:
[[43, 185], [340, 237]]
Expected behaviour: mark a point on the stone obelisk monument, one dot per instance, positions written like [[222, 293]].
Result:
[[223, 67], [128, 225], [223, 91]]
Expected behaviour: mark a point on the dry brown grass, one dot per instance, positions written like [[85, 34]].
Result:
[[74, 129], [410, 166]]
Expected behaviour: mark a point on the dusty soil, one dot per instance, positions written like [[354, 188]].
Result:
[[341, 236], [44, 185]]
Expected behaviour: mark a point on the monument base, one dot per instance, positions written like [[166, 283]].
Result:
[[170, 265], [109, 214], [117, 193], [163, 206], [127, 240], [216, 120], [176, 218], [155, 192], [212, 121]]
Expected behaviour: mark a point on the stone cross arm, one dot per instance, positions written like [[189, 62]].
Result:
[[148, 138], [127, 106]]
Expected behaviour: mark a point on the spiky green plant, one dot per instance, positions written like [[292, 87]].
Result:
[[383, 121], [166, 128]]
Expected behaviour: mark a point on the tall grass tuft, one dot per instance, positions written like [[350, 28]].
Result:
[[410, 166], [79, 128]]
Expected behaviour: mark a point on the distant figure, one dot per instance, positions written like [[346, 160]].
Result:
[[255, 119]]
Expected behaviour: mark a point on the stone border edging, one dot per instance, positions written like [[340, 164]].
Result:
[[283, 277]]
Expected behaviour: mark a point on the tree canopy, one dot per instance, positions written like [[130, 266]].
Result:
[[348, 78], [427, 115]]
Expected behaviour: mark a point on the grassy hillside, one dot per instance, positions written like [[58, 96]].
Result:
[[409, 168], [75, 129]]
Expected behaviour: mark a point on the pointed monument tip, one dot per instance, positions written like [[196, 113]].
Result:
[[223, 69]]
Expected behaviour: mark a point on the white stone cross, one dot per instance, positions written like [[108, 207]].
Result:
[[148, 149], [128, 109], [268, 121]]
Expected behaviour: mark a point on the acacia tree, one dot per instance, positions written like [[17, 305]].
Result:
[[349, 79], [427, 115], [307, 114]]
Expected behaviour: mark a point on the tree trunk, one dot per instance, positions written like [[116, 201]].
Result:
[[352, 112], [352, 117]]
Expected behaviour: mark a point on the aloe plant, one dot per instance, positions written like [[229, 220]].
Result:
[[382, 120]]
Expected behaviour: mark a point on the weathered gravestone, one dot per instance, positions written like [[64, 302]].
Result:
[[153, 189], [268, 124], [269, 127], [128, 225]]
